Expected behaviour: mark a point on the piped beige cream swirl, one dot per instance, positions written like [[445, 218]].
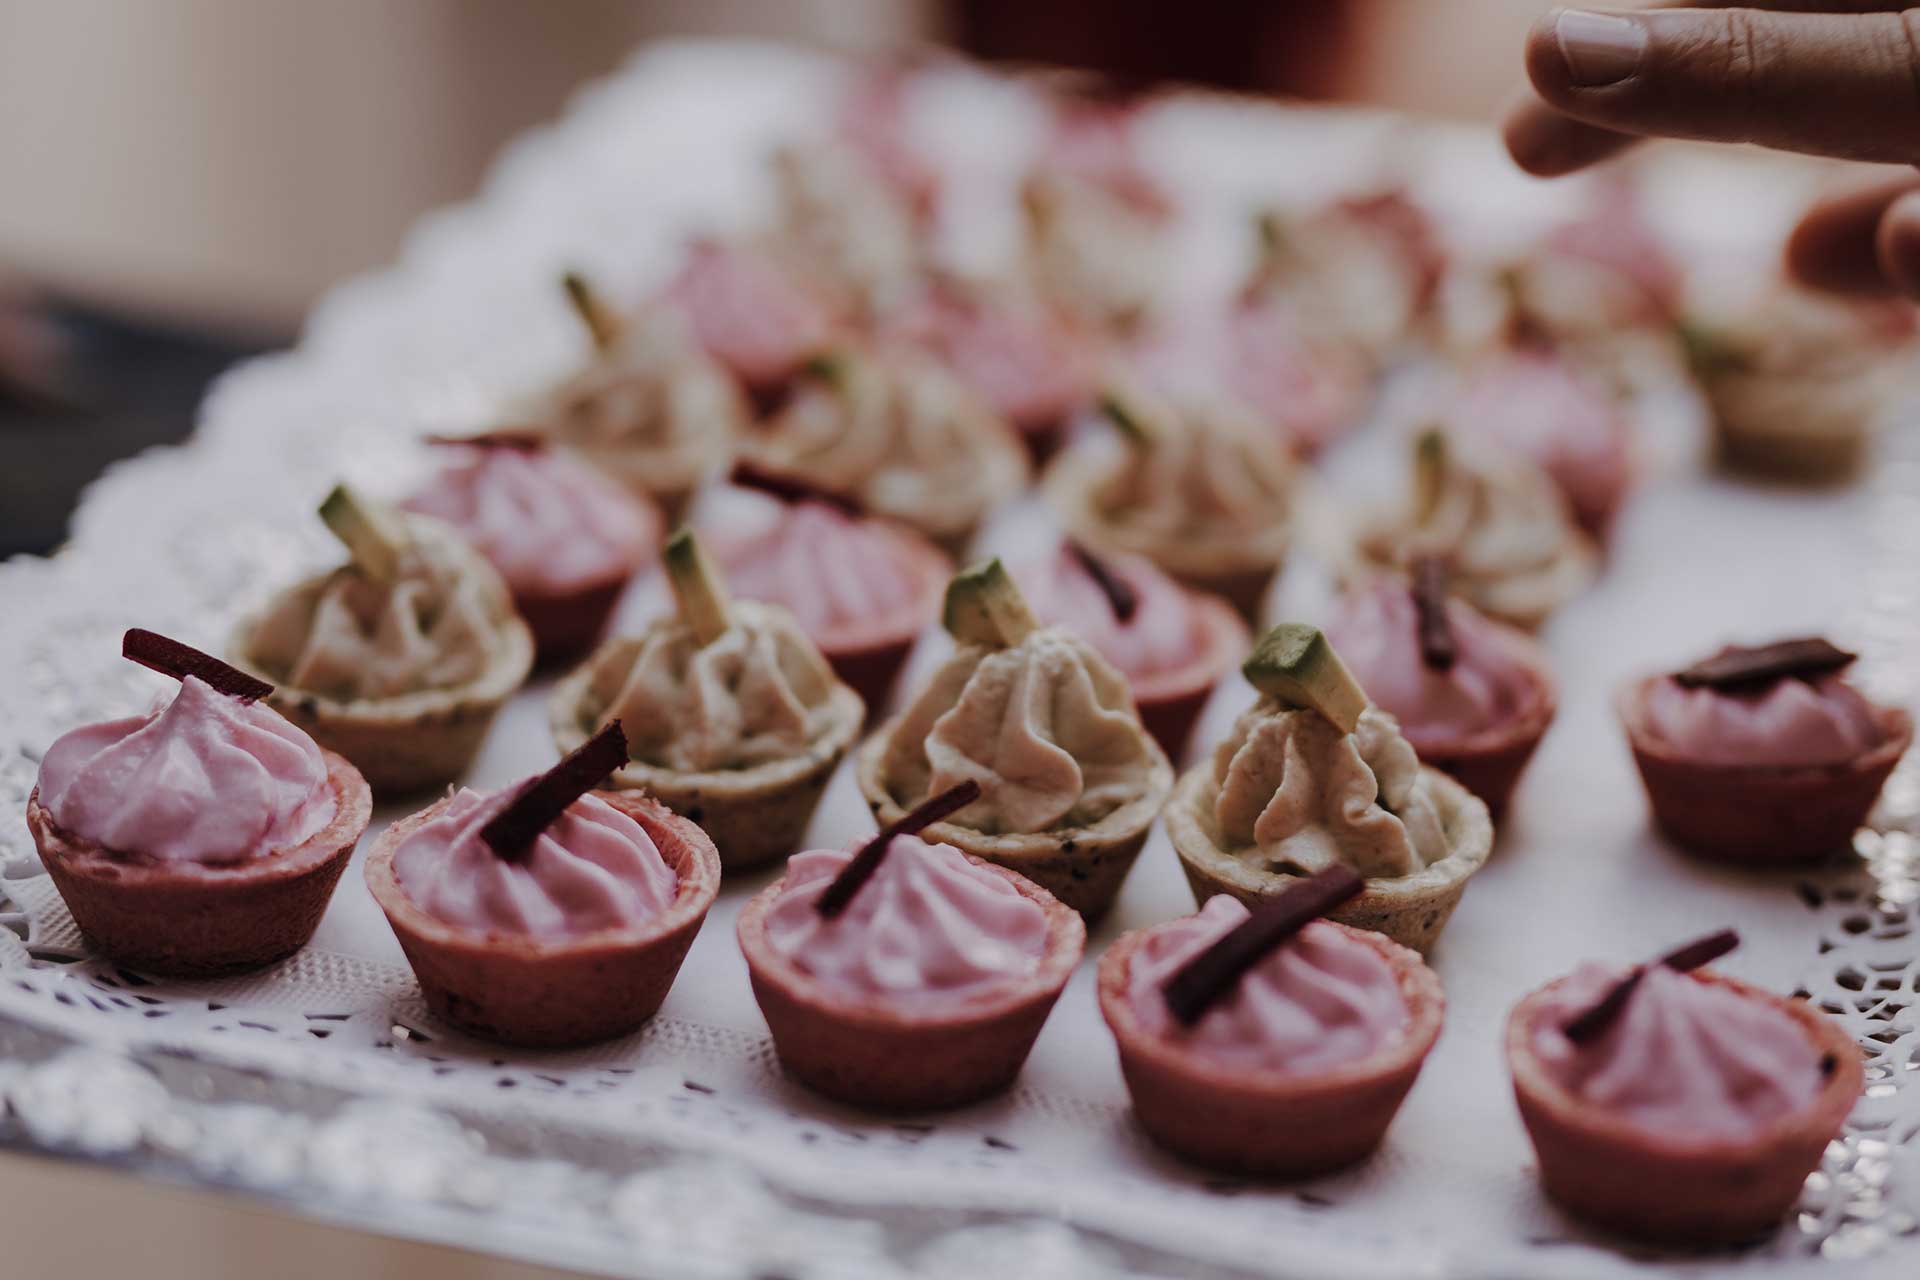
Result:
[[440, 624], [1295, 794], [1046, 727], [758, 693]]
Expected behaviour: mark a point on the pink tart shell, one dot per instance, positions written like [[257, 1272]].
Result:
[[1759, 814], [190, 920], [1643, 1184], [877, 1056], [543, 994], [1269, 1123]]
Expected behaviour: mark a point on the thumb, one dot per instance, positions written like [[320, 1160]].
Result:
[[1832, 84]]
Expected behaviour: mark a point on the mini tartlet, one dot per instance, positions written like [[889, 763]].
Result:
[[1244, 825], [542, 914], [1678, 1107], [846, 228], [1362, 270], [924, 988], [753, 312], [1201, 490], [1070, 780], [1172, 644], [1257, 351], [893, 429], [1033, 365], [1535, 399], [1797, 383], [566, 539], [863, 588], [1472, 695], [399, 658], [1762, 756], [1096, 218], [1503, 526], [734, 719], [1288, 1056], [195, 871], [649, 406]]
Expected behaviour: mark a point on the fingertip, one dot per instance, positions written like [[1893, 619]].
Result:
[[1898, 243], [1546, 63], [1549, 145]]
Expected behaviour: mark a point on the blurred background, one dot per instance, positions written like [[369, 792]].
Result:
[[184, 177]]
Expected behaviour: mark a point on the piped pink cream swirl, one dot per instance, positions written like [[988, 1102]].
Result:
[[1031, 364], [592, 869], [548, 523], [1166, 632], [1791, 722], [929, 930], [1317, 1002], [749, 311], [1684, 1059], [833, 571], [1494, 681], [204, 779]]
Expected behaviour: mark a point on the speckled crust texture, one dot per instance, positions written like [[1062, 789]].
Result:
[[1264, 1123], [1084, 867], [192, 921], [1759, 815], [411, 743], [1647, 1186], [1412, 910], [553, 994], [754, 816], [872, 1056]]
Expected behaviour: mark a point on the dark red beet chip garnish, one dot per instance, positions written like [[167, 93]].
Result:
[[171, 658], [862, 865], [1438, 649], [1216, 971], [1121, 597], [1740, 667], [512, 831], [518, 441], [792, 488], [1589, 1025]]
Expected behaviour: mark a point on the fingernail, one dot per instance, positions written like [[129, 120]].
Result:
[[1599, 48]]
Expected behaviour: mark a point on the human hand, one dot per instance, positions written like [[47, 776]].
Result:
[[1827, 77]]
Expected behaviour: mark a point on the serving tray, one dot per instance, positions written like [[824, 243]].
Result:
[[324, 1084]]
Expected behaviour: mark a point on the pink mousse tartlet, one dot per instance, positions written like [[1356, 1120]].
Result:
[[202, 837], [752, 312], [1762, 755], [1033, 364], [862, 588], [927, 988], [1693, 1114], [1296, 1068], [1263, 354], [1538, 402], [567, 930], [564, 537], [1172, 644], [1473, 696]]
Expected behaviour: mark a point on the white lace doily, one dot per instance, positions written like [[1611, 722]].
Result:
[[324, 1084]]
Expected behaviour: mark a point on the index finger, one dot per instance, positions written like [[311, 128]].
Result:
[[1547, 141]]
